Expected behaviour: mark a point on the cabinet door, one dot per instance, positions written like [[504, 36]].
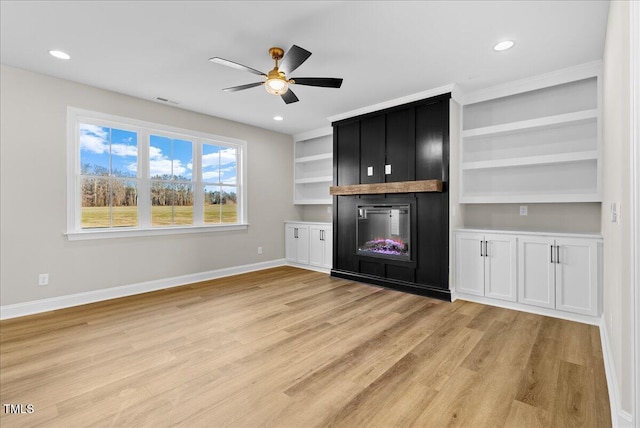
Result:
[[577, 276], [302, 250], [316, 246], [346, 153], [536, 271], [469, 264], [291, 243], [372, 150], [327, 238], [500, 280]]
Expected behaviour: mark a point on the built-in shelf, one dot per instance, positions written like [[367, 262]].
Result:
[[382, 188], [532, 160], [532, 124], [313, 167], [314, 158], [327, 179], [536, 141]]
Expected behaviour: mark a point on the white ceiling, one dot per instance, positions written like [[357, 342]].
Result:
[[383, 49]]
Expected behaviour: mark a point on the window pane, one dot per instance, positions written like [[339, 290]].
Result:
[[182, 159], [229, 204], [160, 157], [183, 204], [96, 210], [212, 204], [228, 166], [94, 149], [124, 153], [124, 209], [161, 203], [210, 163]]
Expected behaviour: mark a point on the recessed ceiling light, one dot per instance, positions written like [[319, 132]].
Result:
[[278, 118], [504, 45], [60, 54]]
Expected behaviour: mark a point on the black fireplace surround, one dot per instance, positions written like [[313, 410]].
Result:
[[396, 240]]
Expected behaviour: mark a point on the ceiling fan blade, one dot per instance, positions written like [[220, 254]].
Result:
[[325, 82], [235, 65], [289, 97], [293, 59], [241, 87]]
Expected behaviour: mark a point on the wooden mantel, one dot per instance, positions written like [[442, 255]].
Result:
[[381, 188]]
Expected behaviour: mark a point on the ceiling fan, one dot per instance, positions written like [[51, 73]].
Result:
[[277, 82]]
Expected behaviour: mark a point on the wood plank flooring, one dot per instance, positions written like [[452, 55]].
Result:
[[287, 347]]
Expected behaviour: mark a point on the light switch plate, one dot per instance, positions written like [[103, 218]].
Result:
[[369, 171], [524, 210], [387, 169]]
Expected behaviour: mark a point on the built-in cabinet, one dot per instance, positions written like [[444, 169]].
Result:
[[320, 245], [297, 243], [313, 167], [309, 245], [487, 265], [560, 272], [534, 141]]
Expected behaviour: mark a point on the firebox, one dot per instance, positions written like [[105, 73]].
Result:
[[384, 231]]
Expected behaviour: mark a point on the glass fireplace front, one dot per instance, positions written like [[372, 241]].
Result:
[[384, 231]]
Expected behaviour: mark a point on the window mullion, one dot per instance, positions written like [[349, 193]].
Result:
[[144, 181], [198, 187]]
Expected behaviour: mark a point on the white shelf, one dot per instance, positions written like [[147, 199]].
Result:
[[313, 167], [326, 179], [532, 124], [536, 146], [532, 160], [314, 158]]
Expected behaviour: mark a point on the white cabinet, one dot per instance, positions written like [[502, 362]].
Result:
[[557, 272], [486, 265], [297, 243], [313, 167], [536, 140], [560, 273], [309, 245], [320, 246]]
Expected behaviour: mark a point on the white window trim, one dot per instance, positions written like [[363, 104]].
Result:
[[74, 230]]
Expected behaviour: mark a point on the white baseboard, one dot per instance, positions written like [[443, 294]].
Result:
[[54, 303], [619, 417], [309, 267], [585, 319]]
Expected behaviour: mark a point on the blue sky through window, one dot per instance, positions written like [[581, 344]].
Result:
[[219, 164], [170, 157], [105, 151]]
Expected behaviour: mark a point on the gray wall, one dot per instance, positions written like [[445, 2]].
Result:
[[33, 197], [555, 217]]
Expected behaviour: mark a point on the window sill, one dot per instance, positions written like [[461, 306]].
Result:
[[156, 231]]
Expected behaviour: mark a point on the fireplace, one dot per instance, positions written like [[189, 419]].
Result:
[[384, 231]]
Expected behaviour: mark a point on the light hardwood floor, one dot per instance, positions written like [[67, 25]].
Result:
[[287, 347]]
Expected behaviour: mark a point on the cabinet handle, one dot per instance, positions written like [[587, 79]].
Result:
[[558, 254], [486, 248], [481, 255], [295, 232], [322, 235], [551, 248]]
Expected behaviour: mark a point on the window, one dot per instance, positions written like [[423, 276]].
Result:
[[127, 177]]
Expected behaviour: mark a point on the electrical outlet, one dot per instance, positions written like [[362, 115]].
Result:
[[329, 209], [524, 210], [614, 212], [259, 250], [43, 279]]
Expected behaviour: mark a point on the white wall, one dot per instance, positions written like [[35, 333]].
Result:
[[33, 200], [618, 292]]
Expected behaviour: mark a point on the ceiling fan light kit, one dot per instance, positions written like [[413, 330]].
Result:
[[276, 82]]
